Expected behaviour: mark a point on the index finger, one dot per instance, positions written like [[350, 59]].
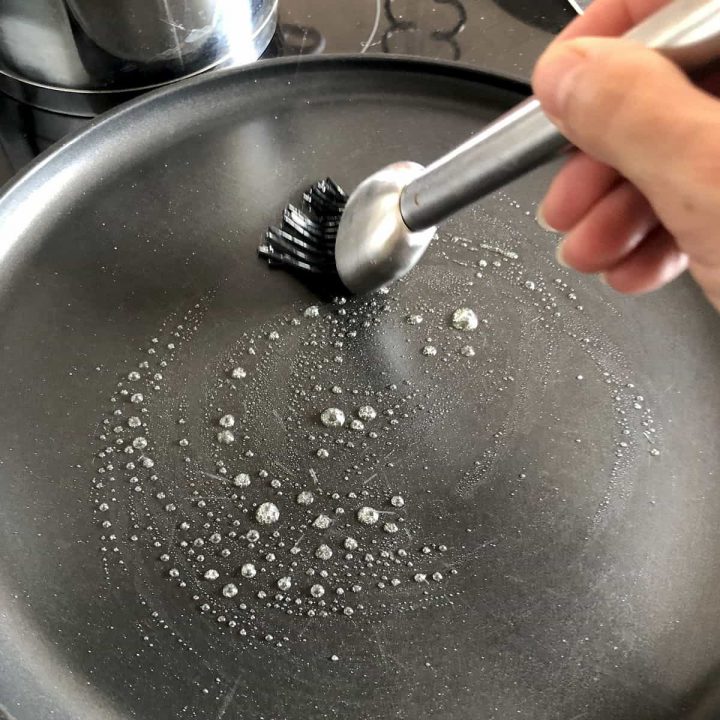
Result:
[[610, 18]]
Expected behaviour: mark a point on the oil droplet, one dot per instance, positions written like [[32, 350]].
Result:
[[238, 373], [414, 319], [312, 311], [332, 417], [367, 413], [350, 543], [357, 425], [134, 375], [467, 351], [226, 437], [267, 513], [429, 350], [397, 501], [324, 552], [305, 498], [322, 522], [368, 515], [241, 480], [284, 583], [464, 319], [230, 590], [211, 574], [134, 422], [317, 591], [248, 570], [390, 527], [136, 398], [139, 443], [227, 421]]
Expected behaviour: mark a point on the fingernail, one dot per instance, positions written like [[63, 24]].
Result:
[[554, 77], [603, 279], [542, 222], [559, 256]]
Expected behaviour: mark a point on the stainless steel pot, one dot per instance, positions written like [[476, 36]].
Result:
[[82, 56]]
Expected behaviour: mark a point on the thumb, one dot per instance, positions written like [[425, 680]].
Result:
[[630, 108]]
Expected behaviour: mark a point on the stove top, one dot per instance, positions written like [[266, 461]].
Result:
[[503, 36]]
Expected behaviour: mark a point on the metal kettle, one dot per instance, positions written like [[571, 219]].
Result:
[[82, 56]]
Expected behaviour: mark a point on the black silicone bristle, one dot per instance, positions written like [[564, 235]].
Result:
[[305, 240]]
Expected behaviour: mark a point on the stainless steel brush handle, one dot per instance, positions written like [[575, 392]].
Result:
[[685, 31]]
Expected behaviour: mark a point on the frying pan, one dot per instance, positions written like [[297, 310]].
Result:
[[556, 552]]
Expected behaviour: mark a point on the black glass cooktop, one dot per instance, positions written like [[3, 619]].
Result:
[[504, 36]]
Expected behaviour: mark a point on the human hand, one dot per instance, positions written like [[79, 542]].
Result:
[[641, 202]]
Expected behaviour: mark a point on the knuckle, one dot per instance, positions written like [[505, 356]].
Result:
[[606, 103], [690, 200], [702, 160]]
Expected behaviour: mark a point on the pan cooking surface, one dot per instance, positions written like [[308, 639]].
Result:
[[487, 492]]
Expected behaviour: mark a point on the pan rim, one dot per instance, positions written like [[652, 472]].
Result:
[[328, 62]]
